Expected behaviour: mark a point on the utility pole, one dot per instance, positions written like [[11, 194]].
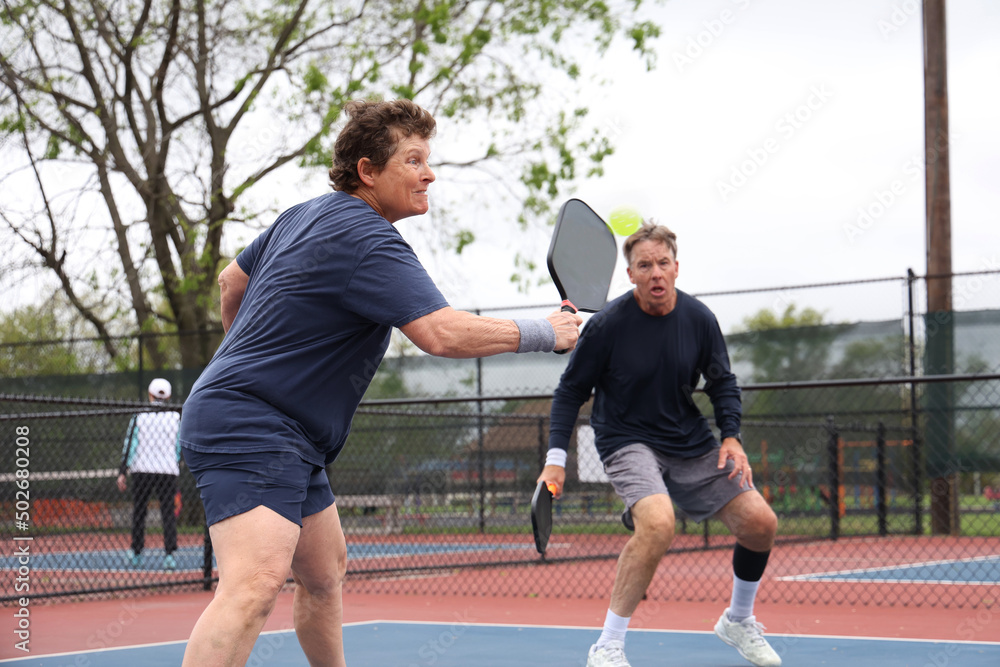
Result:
[[940, 325]]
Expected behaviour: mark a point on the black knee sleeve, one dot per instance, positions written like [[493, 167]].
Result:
[[749, 565]]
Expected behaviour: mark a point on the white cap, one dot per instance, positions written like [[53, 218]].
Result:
[[159, 388]]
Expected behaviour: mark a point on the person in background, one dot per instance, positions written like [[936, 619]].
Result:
[[152, 453]]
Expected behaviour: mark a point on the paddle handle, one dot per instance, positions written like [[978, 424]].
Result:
[[567, 307]]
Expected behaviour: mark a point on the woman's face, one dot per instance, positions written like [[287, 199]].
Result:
[[400, 189]]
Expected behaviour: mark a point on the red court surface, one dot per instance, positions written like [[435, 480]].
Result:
[[77, 626]]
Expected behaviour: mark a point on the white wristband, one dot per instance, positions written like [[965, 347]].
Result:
[[556, 457]]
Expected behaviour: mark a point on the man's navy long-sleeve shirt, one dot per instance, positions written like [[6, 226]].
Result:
[[644, 369]]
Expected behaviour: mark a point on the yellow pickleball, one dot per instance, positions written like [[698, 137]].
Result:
[[624, 220]]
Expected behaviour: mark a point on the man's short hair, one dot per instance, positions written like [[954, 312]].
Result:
[[650, 231]]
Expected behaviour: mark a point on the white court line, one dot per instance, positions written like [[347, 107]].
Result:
[[825, 575]]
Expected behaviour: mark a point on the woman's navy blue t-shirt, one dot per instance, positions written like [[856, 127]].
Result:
[[327, 283]]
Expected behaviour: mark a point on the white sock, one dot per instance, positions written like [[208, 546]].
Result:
[[744, 593], [615, 627]]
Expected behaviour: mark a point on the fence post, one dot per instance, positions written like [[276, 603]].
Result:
[[206, 566], [917, 468], [833, 463], [482, 445], [542, 448], [880, 481]]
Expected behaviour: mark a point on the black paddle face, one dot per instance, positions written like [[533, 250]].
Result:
[[582, 256], [541, 516]]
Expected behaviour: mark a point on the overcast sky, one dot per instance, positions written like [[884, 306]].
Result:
[[783, 142]]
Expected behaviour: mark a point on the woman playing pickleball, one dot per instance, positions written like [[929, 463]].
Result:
[[308, 308]]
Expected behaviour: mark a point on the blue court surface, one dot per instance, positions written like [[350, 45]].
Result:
[[984, 570], [192, 558], [462, 644]]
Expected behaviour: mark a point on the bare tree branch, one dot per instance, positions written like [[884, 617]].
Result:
[[173, 115]]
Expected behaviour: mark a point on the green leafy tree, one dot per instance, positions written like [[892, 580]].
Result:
[[22, 355], [136, 134], [872, 357], [767, 320], [792, 346], [799, 346], [393, 449]]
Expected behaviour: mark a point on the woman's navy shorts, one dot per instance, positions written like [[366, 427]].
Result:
[[234, 483]]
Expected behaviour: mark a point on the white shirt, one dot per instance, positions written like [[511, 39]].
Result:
[[152, 444]]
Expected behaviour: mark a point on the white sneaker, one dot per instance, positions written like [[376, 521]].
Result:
[[611, 654], [747, 637]]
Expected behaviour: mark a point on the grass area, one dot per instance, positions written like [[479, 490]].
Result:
[[815, 524]]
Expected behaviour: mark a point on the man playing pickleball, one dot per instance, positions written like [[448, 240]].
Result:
[[643, 354]]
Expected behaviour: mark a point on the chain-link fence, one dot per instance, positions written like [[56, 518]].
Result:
[[875, 442], [876, 330], [118, 367], [435, 496], [76, 526]]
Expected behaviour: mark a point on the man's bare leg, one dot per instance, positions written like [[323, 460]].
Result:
[[653, 517], [751, 520]]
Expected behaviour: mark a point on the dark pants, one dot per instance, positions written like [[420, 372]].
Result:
[[144, 485]]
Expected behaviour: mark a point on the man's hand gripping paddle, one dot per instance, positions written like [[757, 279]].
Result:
[[541, 515]]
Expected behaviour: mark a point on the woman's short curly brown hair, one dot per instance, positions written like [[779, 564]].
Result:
[[374, 131]]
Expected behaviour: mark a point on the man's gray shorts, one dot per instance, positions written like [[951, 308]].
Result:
[[697, 486]]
